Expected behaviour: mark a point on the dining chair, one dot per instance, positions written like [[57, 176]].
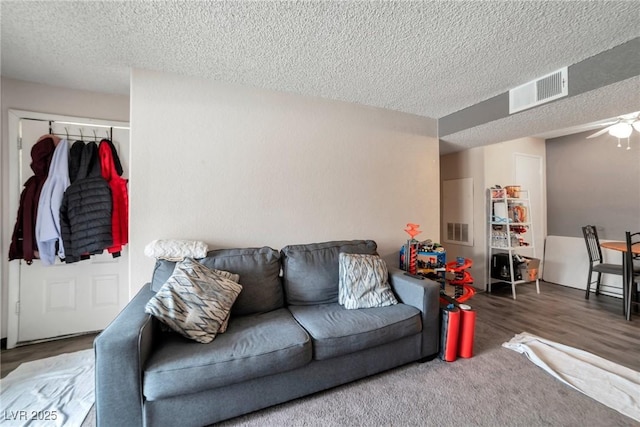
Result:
[[596, 263], [632, 277]]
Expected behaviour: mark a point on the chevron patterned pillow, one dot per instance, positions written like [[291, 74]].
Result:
[[363, 282], [195, 301]]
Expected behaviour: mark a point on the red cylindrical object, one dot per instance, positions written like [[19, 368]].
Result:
[[449, 333], [413, 259], [467, 331]]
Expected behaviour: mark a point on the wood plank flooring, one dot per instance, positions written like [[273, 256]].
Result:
[[562, 314], [558, 313], [11, 359]]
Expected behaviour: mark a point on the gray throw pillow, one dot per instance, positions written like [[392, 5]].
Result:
[[195, 301], [259, 269], [364, 282], [310, 271]]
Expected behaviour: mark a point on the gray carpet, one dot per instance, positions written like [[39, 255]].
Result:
[[497, 387]]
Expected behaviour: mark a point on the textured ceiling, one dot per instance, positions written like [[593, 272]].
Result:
[[426, 58]]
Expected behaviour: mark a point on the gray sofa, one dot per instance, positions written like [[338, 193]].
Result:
[[287, 337]]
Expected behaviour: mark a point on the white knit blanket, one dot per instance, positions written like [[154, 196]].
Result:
[[611, 384], [176, 250]]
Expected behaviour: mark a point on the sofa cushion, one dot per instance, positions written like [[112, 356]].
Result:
[[336, 331], [364, 282], [310, 271], [259, 270], [195, 301], [253, 346]]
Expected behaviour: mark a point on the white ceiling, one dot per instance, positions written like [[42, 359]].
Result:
[[429, 58]]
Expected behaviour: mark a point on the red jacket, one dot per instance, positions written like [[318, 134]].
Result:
[[120, 197]]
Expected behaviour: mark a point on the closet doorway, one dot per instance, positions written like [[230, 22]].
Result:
[[47, 302]]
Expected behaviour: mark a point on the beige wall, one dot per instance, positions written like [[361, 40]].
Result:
[[21, 95], [500, 169], [469, 164], [236, 166], [498, 158], [490, 165]]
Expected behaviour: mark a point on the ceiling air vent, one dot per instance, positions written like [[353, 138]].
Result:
[[545, 89]]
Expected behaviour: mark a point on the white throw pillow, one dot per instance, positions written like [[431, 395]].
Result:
[[176, 250], [364, 282], [195, 301]]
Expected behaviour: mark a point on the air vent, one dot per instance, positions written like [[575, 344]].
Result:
[[457, 232], [539, 91]]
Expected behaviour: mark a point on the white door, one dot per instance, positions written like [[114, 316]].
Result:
[[65, 299], [529, 175]]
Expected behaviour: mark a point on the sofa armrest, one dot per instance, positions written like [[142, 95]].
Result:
[[425, 296], [121, 351]]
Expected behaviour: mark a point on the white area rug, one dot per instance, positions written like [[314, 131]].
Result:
[[614, 385], [56, 391]]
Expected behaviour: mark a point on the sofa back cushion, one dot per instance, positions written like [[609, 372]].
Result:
[[310, 271], [259, 270]]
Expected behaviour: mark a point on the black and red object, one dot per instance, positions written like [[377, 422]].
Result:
[[457, 329], [449, 332]]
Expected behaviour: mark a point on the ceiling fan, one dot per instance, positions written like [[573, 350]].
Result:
[[622, 127]]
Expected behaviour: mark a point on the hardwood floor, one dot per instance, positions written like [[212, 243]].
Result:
[[11, 359], [559, 313], [562, 314]]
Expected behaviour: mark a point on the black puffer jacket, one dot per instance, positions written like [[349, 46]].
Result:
[[85, 214]]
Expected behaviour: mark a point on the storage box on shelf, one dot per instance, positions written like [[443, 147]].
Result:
[[510, 233], [530, 268]]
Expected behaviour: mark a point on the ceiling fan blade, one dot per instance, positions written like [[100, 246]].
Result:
[[600, 132]]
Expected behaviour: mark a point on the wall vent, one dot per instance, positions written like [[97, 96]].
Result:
[[547, 88], [457, 232]]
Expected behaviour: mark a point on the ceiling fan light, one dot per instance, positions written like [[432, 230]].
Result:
[[621, 130]]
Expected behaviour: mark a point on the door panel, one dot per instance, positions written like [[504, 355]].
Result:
[[65, 299]]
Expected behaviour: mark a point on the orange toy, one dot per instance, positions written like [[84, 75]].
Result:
[[462, 280], [412, 230]]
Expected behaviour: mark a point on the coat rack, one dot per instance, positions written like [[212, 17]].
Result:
[[108, 131]]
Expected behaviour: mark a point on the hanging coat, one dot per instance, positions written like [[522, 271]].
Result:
[[119, 196], [114, 154], [75, 155], [48, 234], [85, 213], [23, 241]]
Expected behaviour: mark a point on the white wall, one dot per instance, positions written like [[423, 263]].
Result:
[[21, 95], [237, 166], [490, 165]]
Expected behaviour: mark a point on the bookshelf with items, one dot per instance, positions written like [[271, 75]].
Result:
[[510, 235]]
